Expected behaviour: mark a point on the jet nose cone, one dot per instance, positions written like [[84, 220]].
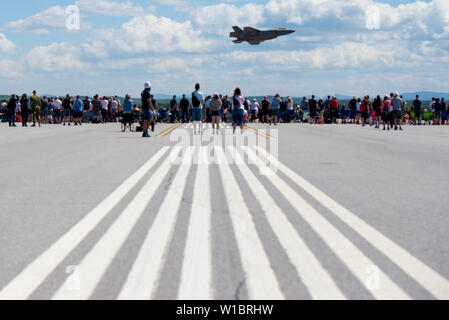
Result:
[[290, 31]]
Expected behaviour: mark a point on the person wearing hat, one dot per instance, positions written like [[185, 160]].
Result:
[[254, 110], [78, 111], [147, 109]]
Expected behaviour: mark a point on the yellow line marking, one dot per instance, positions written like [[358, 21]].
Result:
[[259, 133], [169, 130]]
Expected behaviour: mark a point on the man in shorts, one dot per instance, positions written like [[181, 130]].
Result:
[[275, 106], [66, 110], [78, 111], [396, 104], [147, 109], [197, 106]]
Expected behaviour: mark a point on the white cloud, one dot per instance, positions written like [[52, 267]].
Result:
[[54, 17], [6, 45], [42, 22], [147, 34], [109, 8], [55, 57], [219, 18]]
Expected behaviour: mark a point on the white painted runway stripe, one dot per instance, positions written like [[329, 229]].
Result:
[[196, 283], [24, 284], [318, 281], [96, 262], [143, 278], [428, 278], [348, 253], [261, 281]]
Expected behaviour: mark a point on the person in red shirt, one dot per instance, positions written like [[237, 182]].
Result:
[[333, 106]]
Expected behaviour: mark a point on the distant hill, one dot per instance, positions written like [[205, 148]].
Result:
[[425, 95]]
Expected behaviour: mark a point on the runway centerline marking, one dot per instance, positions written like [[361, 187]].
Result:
[[169, 130], [196, 271], [258, 132]]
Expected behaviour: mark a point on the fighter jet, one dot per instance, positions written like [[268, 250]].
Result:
[[255, 37]]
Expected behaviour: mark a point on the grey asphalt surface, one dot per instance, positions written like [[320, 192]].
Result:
[[396, 182]]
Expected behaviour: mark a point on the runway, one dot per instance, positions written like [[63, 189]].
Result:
[[292, 212]]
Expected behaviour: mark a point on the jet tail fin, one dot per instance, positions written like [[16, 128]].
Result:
[[237, 29]]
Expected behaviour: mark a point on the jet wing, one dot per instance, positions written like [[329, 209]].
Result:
[[250, 30]]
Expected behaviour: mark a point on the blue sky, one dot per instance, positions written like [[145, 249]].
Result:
[[175, 43]]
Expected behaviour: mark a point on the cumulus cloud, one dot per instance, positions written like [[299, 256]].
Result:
[[42, 22], [55, 57], [54, 18], [219, 18], [6, 45], [147, 34], [109, 8]]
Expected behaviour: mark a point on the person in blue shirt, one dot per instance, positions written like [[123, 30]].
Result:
[[197, 106], [78, 111], [128, 118], [275, 106]]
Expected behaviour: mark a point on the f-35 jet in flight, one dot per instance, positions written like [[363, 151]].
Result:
[[255, 37]]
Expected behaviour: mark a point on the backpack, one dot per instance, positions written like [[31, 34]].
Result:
[[195, 102]]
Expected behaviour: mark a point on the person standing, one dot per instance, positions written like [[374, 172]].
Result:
[[24, 110], [312, 105], [254, 110], [265, 109], [67, 110], [12, 110], [128, 113], [215, 109], [275, 106], [197, 106], [36, 105], [173, 109], [147, 109], [417, 106], [57, 105], [185, 106], [104, 110], [96, 108], [396, 104], [377, 106], [238, 110], [333, 109], [386, 113], [114, 108], [78, 111]]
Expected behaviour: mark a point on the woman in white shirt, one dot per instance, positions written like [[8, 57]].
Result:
[[238, 110]]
